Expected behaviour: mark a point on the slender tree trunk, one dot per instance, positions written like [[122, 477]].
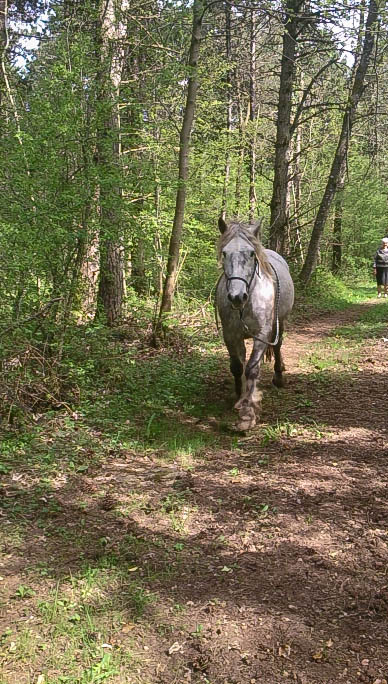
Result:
[[336, 261], [280, 202], [228, 110], [158, 248], [112, 31], [184, 148], [297, 198], [241, 153], [3, 49], [89, 276], [343, 144], [89, 271], [138, 257], [157, 241], [252, 117]]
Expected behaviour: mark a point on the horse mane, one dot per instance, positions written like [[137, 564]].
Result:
[[235, 229]]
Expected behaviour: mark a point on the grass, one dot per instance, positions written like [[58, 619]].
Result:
[[92, 584], [341, 351], [329, 293], [372, 324]]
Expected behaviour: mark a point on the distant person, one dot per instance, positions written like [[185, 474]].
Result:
[[380, 267]]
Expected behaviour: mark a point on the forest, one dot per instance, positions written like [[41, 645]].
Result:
[[136, 520], [128, 129]]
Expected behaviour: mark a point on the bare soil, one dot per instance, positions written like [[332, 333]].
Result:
[[269, 560]]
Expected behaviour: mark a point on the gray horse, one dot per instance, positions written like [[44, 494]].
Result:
[[254, 295]]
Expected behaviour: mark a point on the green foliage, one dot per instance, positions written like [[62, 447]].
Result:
[[330, 292]]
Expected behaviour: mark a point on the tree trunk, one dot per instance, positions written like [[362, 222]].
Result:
[[243, 122], [3, 50], [228, 110], [280, 202], [297, 248], [112, 31], [137, 247], [111, 285], [89, 269], [343, 145], [252, 117], [158, 247], [183, 171], [336, 261]]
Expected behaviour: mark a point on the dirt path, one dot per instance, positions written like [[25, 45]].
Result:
[[257, 563], [290, 577]]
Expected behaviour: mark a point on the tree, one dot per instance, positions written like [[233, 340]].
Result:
[[280, 202], [252, 116], [355, 95], [228, 83], [110, 42], [184, 148]]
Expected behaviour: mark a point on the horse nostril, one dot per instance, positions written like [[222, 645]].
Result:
[[245, 297], [237, 299]]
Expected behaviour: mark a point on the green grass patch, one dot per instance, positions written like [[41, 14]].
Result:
[[327, 292], [341, 351], [372, 324]]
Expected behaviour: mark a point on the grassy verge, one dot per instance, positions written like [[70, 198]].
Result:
[[329, 293]]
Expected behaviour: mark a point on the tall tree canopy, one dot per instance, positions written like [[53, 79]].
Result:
[[127, 128]]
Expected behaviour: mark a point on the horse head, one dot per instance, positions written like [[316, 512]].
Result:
[[239, 251]]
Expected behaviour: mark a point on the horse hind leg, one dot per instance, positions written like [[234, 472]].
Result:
[[279, 367]]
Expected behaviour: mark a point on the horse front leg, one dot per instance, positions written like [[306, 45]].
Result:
[[249, 404], [237, 369], [237, 355]]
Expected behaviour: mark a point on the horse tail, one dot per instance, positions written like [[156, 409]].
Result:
[[269, 353]]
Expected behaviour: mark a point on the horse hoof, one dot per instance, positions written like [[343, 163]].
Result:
[[247, 419], [278, 380], [245, 424]]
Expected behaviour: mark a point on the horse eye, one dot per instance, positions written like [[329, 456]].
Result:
[[252, 254], [224, 254]]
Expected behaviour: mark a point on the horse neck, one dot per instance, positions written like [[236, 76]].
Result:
[[261, 281]]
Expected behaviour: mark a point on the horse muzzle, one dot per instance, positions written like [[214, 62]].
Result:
[[238, 300]]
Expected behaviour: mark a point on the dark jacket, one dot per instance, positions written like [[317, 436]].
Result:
[[381, 259]]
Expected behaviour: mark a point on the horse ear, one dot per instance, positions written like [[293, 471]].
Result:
[[222, 225], [256, 228]]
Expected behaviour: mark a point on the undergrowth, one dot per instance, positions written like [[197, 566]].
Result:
[[115, 373], [327, 292]]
